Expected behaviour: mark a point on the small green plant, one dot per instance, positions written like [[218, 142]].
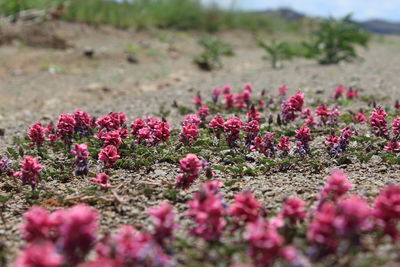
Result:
[[278, 52], [336, 40], [214, 48]]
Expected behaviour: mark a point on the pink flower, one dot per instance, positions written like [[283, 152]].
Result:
[[378, 123], [265, 243], [40, 255], [343, 141], [360, 117], [189, 133], [111, 121], [283, 90], [226, 89], [321, 231], [207, 210], [252, 129], [331, 140], [265, 145], [245, 208], [217, 124], [339, 91], [129, 247], [303, 136], [353, 216], [77, 232], [241, 99], [163, 220], [232, 127], [66, 126], [191, 119], [336, 186], [30, 170], [294, 209], [248, 87], [229, 100], [392, 146], [110, 138], [284, 144], [387, 210], [81, 156], [150, 130], [83, 122], [197, 100], [351, 93], [203, 112], [215, 95], [292, 105], [109, 155], [37, 225], [37, 134], [396, 127], [102, 179], [253, 114], [190, 168]]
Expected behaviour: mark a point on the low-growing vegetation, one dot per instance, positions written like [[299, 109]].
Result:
[[237, 134]]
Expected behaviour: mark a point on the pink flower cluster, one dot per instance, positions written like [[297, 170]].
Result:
[[81, 154], [350, 94], [190, 129], [37, 134], [112, 121], [232, 128], [207, 210], [189, 169], [339, 144], [66, 127], [30, 171], [303, 136], [102, 179], [378, 123], [291, 106], [327, 116], [108, 156], [151, 131], [67, 235]]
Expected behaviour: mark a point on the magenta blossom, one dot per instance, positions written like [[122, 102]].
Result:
[[252, 129], [282, 90], [40, 255], [303, 136], [378, 123], [207, 210], [291, 106], [253, 114], [353, 217], [102, 179], [396, 127], [81, 154], [339, 91], [112, 121], [66, 127], [110, 138], [215, 95], [217, 124], [163, 220], [387, 210], [37, 134], [232, 127], [83, 123], [229, 100], [336, 186], [203, 112], [109, 155], [30, 170], [392, 146], [266, 145], [284, 145], [191, 119], [189, 133], [351, 93], [343, 141], [360, 117], [197, 99], [245, 208], [190, 168], [38, 225], [294, 209], [265, 242]]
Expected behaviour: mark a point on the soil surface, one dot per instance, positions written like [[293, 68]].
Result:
[[40, 83]]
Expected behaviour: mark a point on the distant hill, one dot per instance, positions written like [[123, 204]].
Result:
[[375, 25], [285, 13], [381, 26]]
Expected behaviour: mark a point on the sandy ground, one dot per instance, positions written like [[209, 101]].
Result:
[[38, 84]]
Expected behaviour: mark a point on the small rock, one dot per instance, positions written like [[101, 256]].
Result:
[[160, 172], [375, 159], [96, 87]]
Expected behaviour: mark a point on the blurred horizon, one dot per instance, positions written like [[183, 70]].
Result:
[[362, 10]]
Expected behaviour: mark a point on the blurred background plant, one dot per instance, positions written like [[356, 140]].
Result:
[[336, 40], [214, 48]]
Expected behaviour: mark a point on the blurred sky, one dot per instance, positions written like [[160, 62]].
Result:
[[361, 9]]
